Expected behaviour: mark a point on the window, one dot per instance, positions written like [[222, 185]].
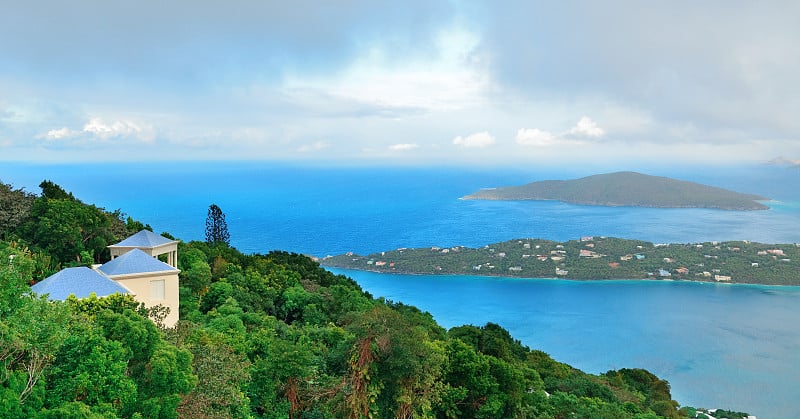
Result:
[[157, 290]]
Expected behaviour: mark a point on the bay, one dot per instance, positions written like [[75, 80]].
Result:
[[719, 346]]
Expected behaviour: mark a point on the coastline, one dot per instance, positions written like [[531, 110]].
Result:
[[593, 259], [602, 280]]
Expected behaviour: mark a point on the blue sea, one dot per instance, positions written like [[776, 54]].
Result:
[[719, 345]]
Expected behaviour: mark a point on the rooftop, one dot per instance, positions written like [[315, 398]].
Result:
[[144, 238], [134, 262], [80, 281]]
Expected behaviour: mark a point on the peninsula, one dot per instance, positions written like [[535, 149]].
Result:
[[594, 258], [627, 189]]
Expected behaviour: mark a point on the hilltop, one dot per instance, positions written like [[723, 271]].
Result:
[[627, 189]]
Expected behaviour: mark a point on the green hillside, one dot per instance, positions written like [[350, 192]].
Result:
[[261, 336], [627, 189]]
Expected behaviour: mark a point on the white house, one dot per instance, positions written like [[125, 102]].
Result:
[[134, 269]]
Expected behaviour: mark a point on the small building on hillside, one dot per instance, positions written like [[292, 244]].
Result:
[[151, 281], [136, 271], [151, 243]]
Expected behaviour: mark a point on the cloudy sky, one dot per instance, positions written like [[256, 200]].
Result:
[[496, 82]]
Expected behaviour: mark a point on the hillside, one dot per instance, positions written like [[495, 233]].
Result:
[[261, 336], [626, 189], [592, 258]]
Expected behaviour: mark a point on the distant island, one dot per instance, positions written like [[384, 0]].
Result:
[[627, 189], [594, 258]]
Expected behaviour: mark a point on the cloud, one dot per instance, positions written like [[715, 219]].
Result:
[[477, 140], [587, 127], [60, 134], [98, 129], [536, 137], [317, 146], [403, 147], [103, 130], [785, 161], [540, 138]]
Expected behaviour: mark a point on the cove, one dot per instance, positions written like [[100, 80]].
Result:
[[719, 345]]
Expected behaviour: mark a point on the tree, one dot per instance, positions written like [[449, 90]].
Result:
[[15, 207], [216, 227]]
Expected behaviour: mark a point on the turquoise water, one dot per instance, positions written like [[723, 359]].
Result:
[[728, 346], [719, 346]]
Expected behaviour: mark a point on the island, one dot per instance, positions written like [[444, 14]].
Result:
[[627, 189], [594, 258]]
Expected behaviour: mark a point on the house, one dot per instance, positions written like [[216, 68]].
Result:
[[664, 273], [134, 269], [150, 280], [682, 270], [725, 278], [150, 243]]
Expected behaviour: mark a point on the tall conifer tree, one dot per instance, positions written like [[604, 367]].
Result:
[[216, 227]]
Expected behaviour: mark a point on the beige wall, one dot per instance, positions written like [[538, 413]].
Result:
[[139, 284]]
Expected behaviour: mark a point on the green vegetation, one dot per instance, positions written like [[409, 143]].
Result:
[[627, 189], [266, 336], [595, 258]]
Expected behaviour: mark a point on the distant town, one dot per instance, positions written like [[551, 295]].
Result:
[[594, 258]]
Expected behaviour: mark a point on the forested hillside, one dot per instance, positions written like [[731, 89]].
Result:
[[261, 336]]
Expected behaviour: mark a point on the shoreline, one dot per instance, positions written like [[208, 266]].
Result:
[[498, 276]]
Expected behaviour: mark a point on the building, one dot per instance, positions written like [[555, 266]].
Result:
[[134, 269], [150, 243]]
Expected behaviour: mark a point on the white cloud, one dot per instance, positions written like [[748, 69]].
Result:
[[403, 147], [59, 134], [477, 140], [541, 138], [97, 129], [103, 130], [587, 127], [317, 146], [536, 137]]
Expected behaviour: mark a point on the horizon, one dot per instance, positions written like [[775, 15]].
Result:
[[475, 84]]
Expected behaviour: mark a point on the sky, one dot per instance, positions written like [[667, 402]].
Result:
[[413, 82]]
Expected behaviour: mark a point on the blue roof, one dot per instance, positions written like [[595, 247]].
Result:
[[134, 262], [80, 281], [144, 238]]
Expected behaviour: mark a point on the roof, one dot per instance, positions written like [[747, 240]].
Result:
[[144, 238], [134, 262], [80, 281]]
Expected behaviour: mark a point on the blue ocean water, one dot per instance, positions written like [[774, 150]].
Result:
[[725, 346], [730, 346]]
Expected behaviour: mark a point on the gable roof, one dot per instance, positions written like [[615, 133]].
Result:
[[80, 281], [134, 262], [144, 238]]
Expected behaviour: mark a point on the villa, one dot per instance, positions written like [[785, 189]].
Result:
[[134, 269]]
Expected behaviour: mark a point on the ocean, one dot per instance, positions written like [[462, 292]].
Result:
[[719, 345]]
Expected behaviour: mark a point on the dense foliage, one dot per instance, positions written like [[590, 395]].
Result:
[[596, 258], [269, 336]]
